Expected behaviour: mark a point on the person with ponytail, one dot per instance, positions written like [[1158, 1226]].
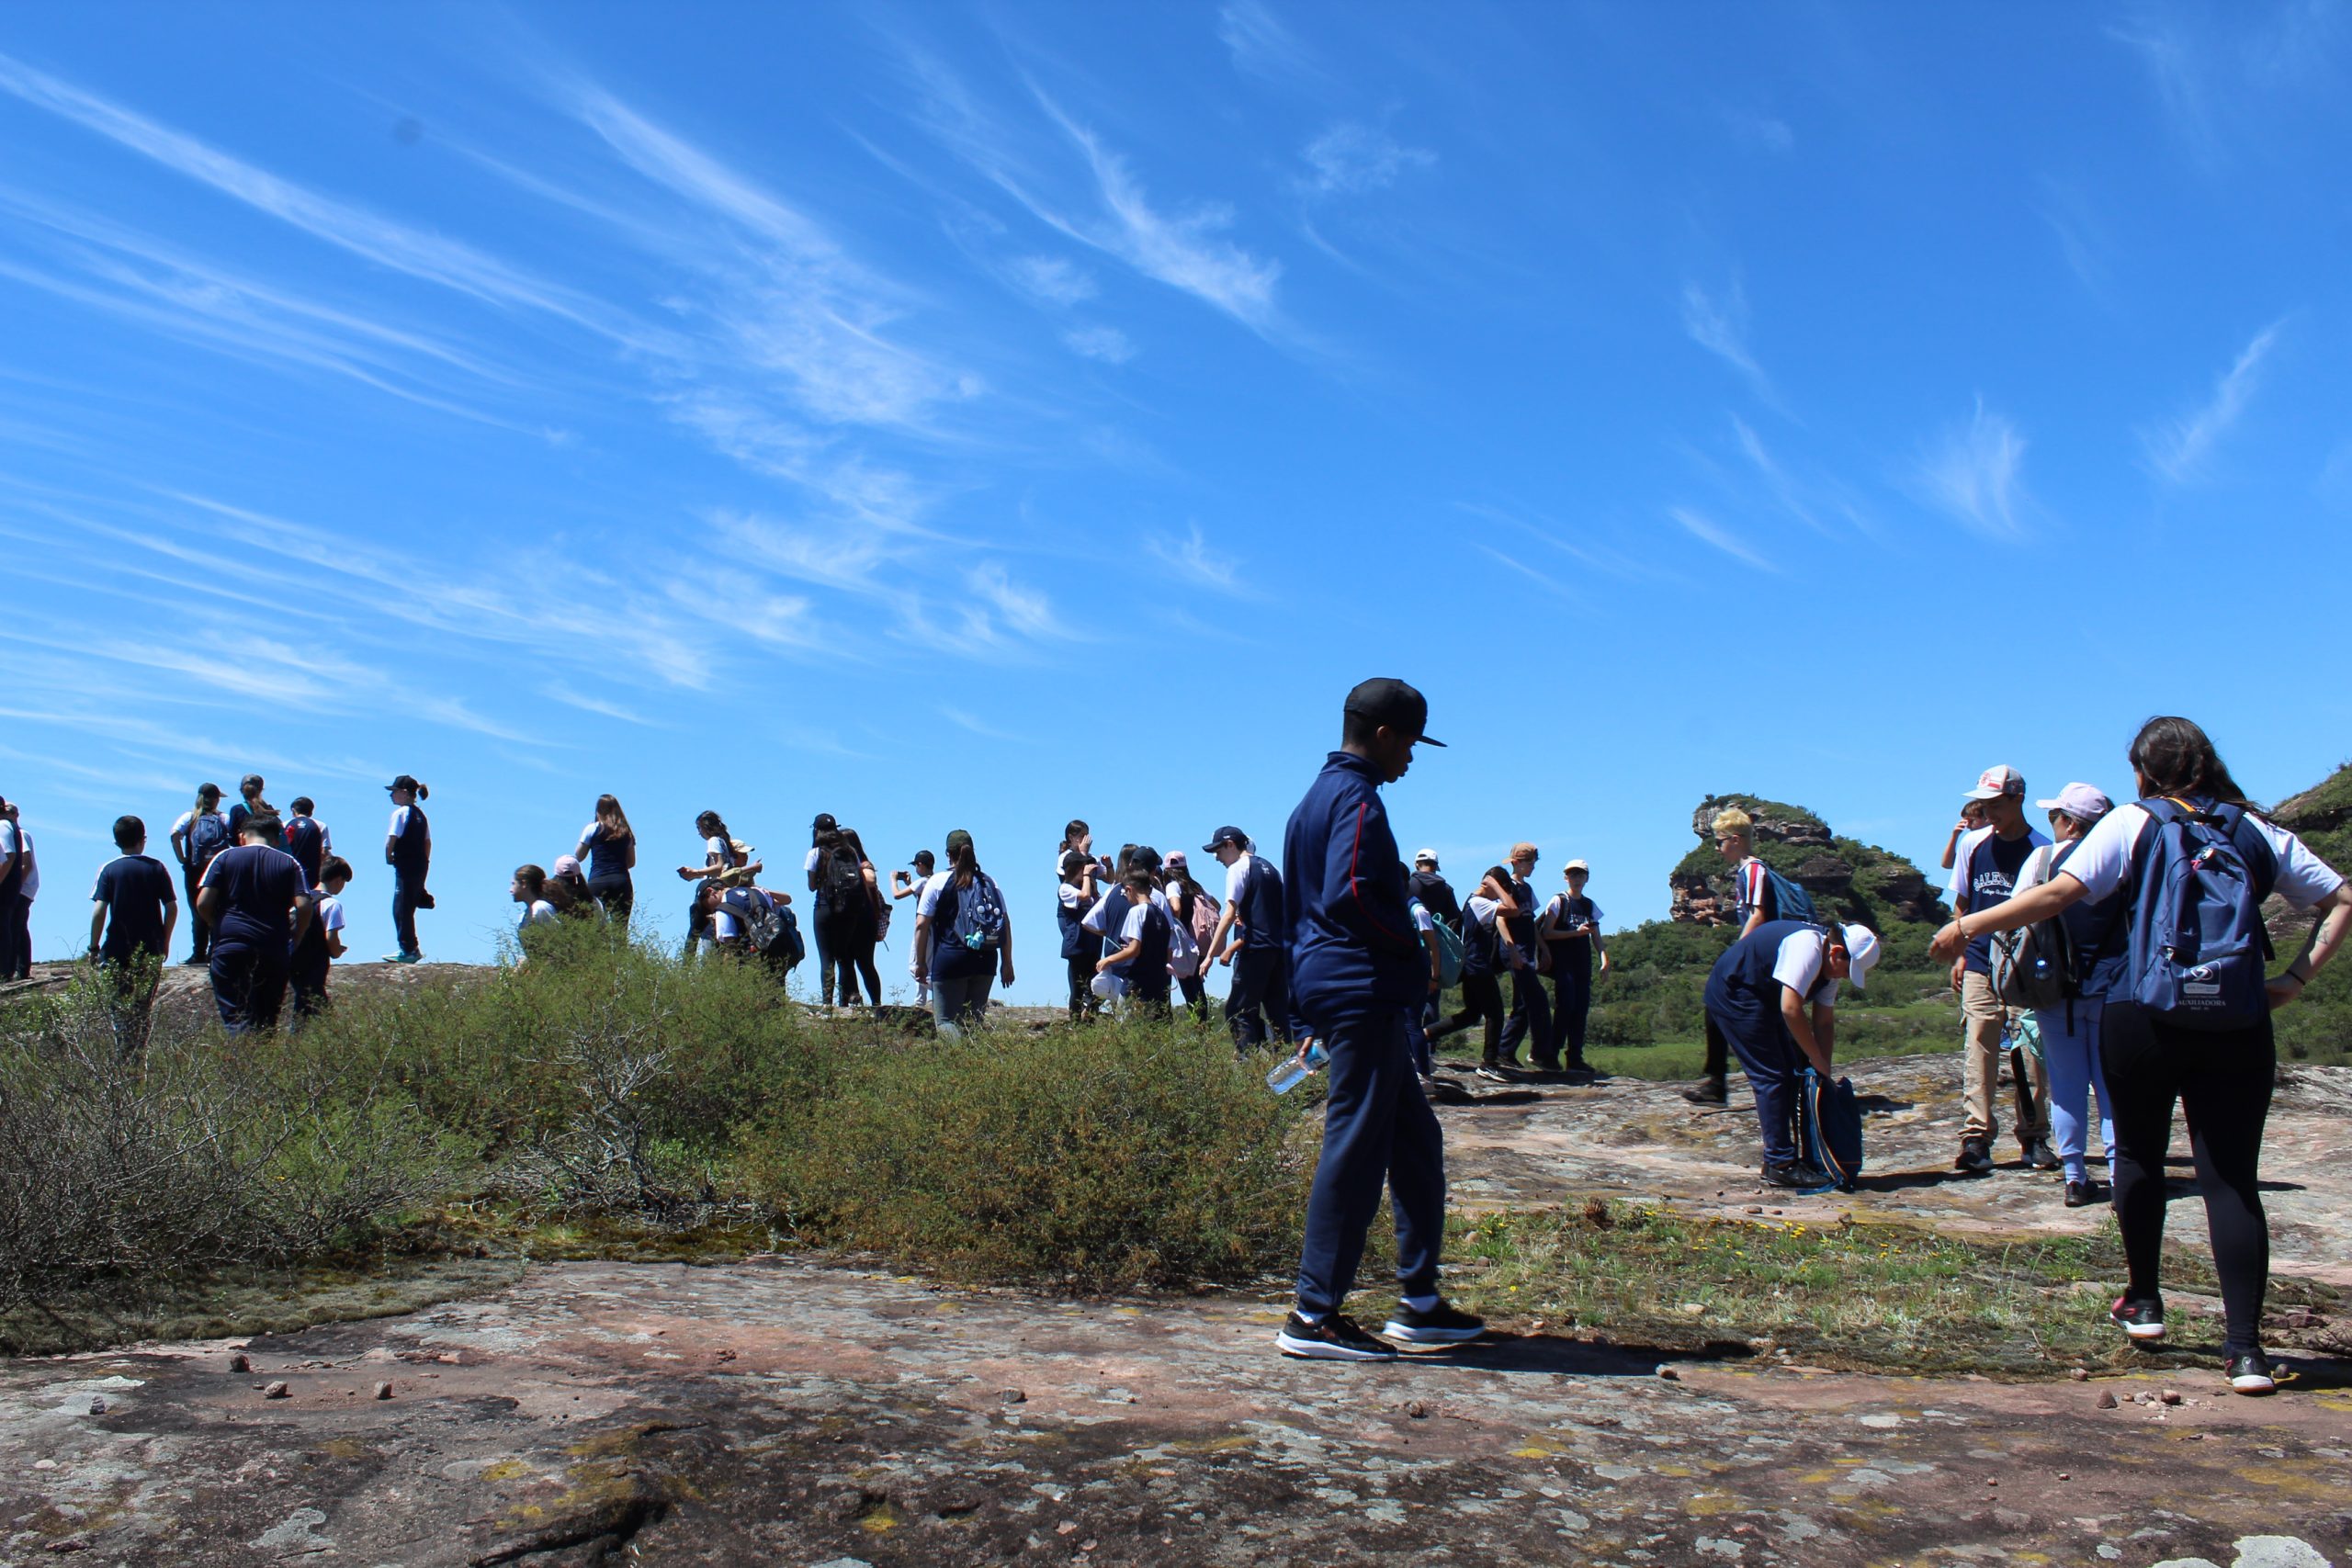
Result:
[[963, 936], [408, 850], [1079, 877], [719, 857], [2194, 852], [201, 833]]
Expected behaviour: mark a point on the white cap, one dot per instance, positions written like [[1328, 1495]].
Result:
[[1862, 952], [1994, 783], [2085, 803], [1421, 855]]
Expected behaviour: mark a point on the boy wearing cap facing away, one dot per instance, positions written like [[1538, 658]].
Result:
[[1984, 873], [1757, 996], [1358, 969], [1572, 933]]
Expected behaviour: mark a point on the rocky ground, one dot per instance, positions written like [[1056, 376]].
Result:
[[778, 1410]]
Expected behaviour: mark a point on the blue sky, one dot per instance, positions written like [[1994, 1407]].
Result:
[[982, 416]]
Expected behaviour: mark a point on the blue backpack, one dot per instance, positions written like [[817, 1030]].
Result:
[[1449, 949], [2200, 954], [1788, 900], [1829, 1128], [979, 922]]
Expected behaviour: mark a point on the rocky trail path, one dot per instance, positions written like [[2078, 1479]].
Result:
[[778, 1410]]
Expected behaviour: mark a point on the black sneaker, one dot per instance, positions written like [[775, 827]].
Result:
[[1709, 1091], [1336, 1338], [2037, 1154], [2248, 1371], [1442, 1325], [1445, 1092], [1976, 1158], [1492, 1073], [2141, 1320], [1796, 1174], [2081, 1194]]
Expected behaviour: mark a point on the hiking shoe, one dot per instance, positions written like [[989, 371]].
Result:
[[1796, 1174], [1709, 1091], [2248, 1371], [1976, 1158], [2141, 1320], [2037, 1152], [1442, 1325], [1336, 1338], [2081, 1194]]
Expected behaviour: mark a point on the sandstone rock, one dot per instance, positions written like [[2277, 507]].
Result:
[[277, 1391], [2080, 1374], [383, 1391], [1014, 1396], [2170, 1396], [2107, 1399], [97, 1405], [240, 1362]]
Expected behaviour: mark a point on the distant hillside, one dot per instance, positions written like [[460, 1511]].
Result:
[[2318, 1027], [1859, 881]]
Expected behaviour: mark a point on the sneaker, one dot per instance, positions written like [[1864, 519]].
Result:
[[1336, 1338], [1442, 1325], [2037, 1152], [1975, 1157], [403, 958], [1796, 1174], [1709, 1091], [1492, 1073], [2081, 1194], [1444, 1091], [2141, 1320], [2248, 1371]]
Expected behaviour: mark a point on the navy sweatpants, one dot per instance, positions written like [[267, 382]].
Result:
[[1752, 1026], [248, 985], [1378, 1131]]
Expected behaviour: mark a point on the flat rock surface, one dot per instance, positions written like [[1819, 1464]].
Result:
[[780, 1412]]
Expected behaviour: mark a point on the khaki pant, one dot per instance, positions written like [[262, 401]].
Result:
[[1983, 1018]]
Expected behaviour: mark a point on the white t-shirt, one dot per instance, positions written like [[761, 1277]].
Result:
[[7, 838], [717, 851], [928, 904], [399, 821], [1234, 875], [1967, 847], [538, 912], [810, 864], [1422, 920], [2102, 861], [1099, 918], [1071, 897], [1558, 907], [1481, 909], [1800, 962], [330, 915], [30, 887]]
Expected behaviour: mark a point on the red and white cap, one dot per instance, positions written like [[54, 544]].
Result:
[[1994, 783]]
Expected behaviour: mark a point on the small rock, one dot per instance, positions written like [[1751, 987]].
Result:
[[43, 1464], [724, 1356], [1014, 1396], [2107, 1399], [1067, 1527], [97, 1405], [1992, 1481], [383, 1391], [1418, 1410], [240, 1362], [1754, 1209], [1668, 1373], [2064, 1476], [2170, 1396], [1694, 1309], [2080, 1374], [277, 1391]]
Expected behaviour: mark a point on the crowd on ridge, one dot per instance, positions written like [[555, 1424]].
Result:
[[2115, 956]]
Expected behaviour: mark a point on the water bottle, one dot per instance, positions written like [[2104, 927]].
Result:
[[1292, 1070]]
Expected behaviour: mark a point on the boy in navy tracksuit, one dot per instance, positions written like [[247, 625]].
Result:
[[1357, 968]]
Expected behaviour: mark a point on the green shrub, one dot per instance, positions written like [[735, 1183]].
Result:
[[1103, 1157]]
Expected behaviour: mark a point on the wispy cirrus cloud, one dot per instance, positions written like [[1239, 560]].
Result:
[[1054, 279], [2178, 449], [1263, 46], [1190, 556], [1350, 157], [1718, 324], [2177, 70], [1975, 474], [1708, 531], [1108, 345]]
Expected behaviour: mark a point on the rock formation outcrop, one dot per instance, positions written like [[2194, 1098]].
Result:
[[1854, 880]]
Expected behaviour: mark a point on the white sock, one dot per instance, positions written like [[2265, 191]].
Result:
[[1309, 1318], [1422, 1304]]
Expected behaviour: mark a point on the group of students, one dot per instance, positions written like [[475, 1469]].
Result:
[[2123, 953], [265, 890], [1506, 928]]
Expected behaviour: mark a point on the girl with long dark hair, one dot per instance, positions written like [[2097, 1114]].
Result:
[[199, 834], [609, 847], [2194, 1047], [966, 936]]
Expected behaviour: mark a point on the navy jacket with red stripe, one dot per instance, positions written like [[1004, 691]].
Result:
[[1351, 934]]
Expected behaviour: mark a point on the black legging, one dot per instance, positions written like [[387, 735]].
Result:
[[615, 894], [849, 938], [1482, 997], [2222, 1080], [1195, 987], [199, 934], [1083, 1002]]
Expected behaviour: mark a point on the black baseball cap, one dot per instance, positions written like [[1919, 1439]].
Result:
[[1227, 834], [824, 821], [1394, 704], [406, 780]]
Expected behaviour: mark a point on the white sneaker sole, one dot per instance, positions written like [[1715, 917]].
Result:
[[1396, 1330], [2254, 1383], [1324, 1350], [2144, 1330]]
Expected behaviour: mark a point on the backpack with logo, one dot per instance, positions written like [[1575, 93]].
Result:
[[979, 922], [1448, 949], [1785, 899], [2036, 965], [207, 835], [1829, 1128], [758, 918], [841, 877], [2200, 955]]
